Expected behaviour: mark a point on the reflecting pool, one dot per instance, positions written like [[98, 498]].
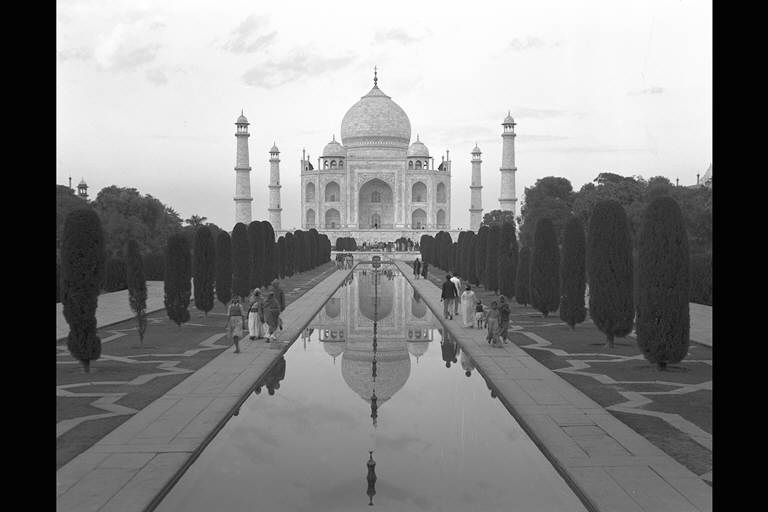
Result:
[[373, 404]]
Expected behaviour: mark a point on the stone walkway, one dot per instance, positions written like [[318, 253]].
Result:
[[609, 465], [132, 467], [114, 307]]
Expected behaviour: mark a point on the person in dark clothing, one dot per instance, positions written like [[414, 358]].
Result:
[[449, 350], [417, 268], [424, 269], [279, 294], [504, 312], [448, 297]]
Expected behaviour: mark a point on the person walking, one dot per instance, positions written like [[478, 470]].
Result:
[[492, 320], [416, 268], [448, 297], [468, 307], [272, 314], [479, 314], [279, 294], [457, 283], [504, 312], [255, 315], [235, 322], [424, 269]]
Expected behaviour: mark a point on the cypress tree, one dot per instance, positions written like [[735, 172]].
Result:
[[663, 316], [313, 245], [545, 268], [523, 278], [425, 244], [290, 244], [492, 259], [137, 287], [223, 267], [470, 240], [258, 251], [609, 267], [300, 251], [204, 272], [82, 270], [114, 275], [481, 253], [507, 269], [272, 263], [455, 258], [281, 257], [241, 261], [178, 278], [572, 273]]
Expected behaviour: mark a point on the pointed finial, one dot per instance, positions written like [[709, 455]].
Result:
[[241, 112], [417, 138], [375, 77], [334, 137]]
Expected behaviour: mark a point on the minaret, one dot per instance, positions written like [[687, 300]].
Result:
[[242, 173], [476, 191], [82, 189], [508, 199], [274, 188]]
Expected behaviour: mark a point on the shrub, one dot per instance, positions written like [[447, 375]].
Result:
[[572, 273], [241, 261], [609, 269], [178, 278], [545, 268], [82, 270], [523, 278], [223, 267], [701, 278], [137, 286], [204, 269], [663, 317]]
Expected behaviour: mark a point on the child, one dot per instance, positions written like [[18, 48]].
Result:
[[479, 315], [492, 321]]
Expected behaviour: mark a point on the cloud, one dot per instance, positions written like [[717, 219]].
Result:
[[273, 73], [651, 90], [82, 54], [589, 149], [530, 43], [157, 76], [397, 35], [130, 45], [543, 113], [242, 40]]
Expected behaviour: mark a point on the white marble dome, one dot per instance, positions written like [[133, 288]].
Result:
[[334, 149], [418, 149], [393, 367], [375, 119]]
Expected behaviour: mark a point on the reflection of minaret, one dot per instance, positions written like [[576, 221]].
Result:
[[507, 198], [374, 404], [371, 492], [476, 190]]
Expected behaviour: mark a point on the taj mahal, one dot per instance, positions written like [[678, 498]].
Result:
[[376, 184]]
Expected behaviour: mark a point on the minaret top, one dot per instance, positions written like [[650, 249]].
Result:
[[242, 119], [375, 77], [274, 148], [476, 151], [509, 119]]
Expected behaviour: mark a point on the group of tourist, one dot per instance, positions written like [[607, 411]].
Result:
[[344, 261], [420, 268], [473, 313], [261, 310]]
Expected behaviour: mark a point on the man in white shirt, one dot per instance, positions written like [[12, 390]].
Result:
[[457, 283]]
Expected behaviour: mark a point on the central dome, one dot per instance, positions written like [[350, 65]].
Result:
[[375, 120]]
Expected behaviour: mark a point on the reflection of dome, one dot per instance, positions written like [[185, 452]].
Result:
[[418, 309], [375, 115], [418, 149], [333, 307], [365, 292], [334, 348], [418, 348], [334, 149], [393, 366]]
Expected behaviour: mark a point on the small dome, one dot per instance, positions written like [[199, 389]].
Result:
[[476, 150], [241, 119], [334, 348], [418, 348], [274, 148], [335, 149], [418, 149], [509, 119], [83, 183]]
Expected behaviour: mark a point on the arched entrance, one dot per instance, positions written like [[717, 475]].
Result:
[[332, 219], [376, 208], [418, 219], [441, 219]]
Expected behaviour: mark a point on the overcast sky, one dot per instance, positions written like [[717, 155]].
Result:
[[148, 92]]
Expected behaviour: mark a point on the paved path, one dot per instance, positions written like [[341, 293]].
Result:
[[609, 465], [701, 323], [114, 307], [133, 465]]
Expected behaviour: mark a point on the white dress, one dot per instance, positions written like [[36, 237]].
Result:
[[468, 308]]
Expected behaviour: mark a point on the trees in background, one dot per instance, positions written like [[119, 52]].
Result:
[[223, 267], [497, 217], [701, 278], [551, 197], [663, 317], [290, 254], [241, 261], [257, 242], [491, 281], [523, 278], [272, 263], [82, 269], [545, 268], [137, 287], [204, 272], [470, 242], [178, 278], [609, 267], [507, 267], [481, 253], [426, 248], [114, 275], [573, 273]]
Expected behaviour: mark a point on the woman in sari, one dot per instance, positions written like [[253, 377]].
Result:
[[468, 307], [504, 312], [272, 314]]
